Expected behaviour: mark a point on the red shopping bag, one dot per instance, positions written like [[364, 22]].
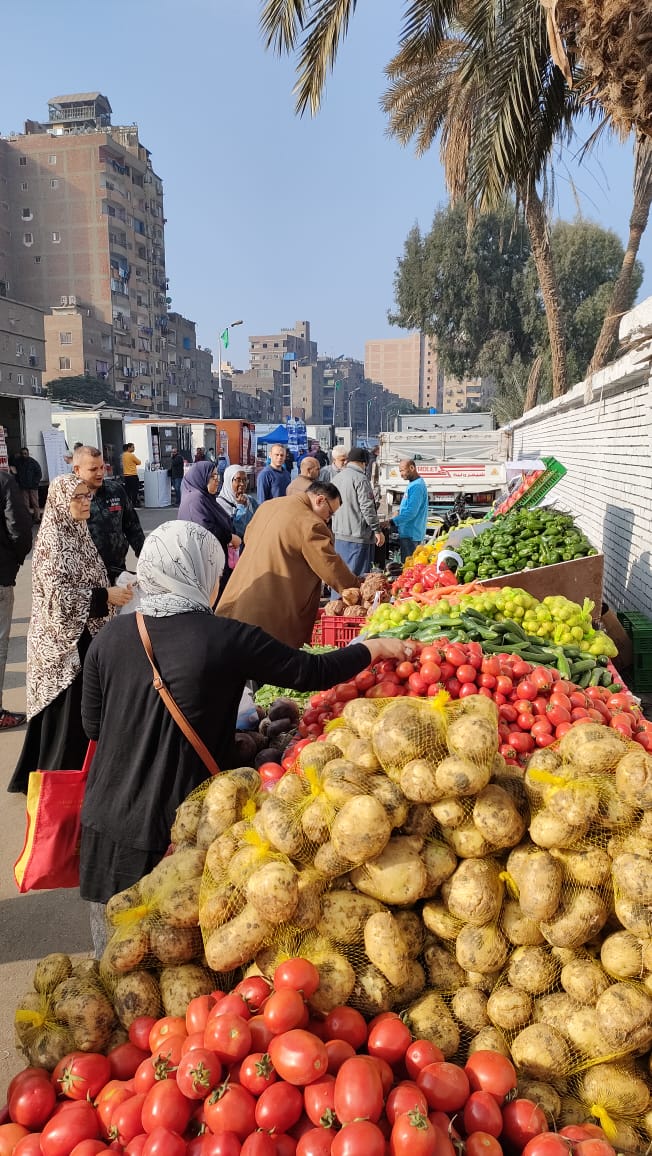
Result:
[[50, 855]]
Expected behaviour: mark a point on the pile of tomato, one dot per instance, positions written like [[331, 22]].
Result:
[[421, 577], [249, 1073], [535, 705]]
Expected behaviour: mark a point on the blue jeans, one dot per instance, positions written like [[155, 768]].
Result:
[[408, 546], [176, 486], [358, 556]]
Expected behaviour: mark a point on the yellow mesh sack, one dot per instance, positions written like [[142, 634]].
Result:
[[615, 1095]]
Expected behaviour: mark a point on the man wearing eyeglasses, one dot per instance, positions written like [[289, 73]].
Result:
[[289, 552], [113, 524]]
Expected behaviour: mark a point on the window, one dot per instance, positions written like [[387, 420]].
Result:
[[34, 381], [54, 184], [56, 238], [19, 349], [32, 351], [19, 379], [26, 214], [22, 161], [24, 186], [38, 260], [28, 239], [64, 363], [65, 339], [52, 159]]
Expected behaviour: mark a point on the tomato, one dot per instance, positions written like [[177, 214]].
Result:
[[229, 1036], [89, 1148], [504, 685], [582, 1132], [10, 1134], [112, 1094], [526, 721], [487, 680], [419, 1054], [68, 1128], [469, 688], [430, 672], [466, 672], [557, 714], [447, 671], [345, 692], [541, 726], [163, 1028], [25, 1074], [521, 742], [490, 1072], [221, 1144], [258, 1144], [364, 680], [508, 712], [522, 1121], [389, 1040], [279, 1107], [297, 974], [192, 1042], [284, 1010], [84, 1076], [126, 1119], [455, 655], [198, 1072], [523, 706], [360, 1138], [166, 1107], [155, 1068], [260, 1034], [521, 669], [546, 1144], [482, 1144], [413, 1135], [319, 1101], [405, 669], [382, 690], [358, 1091], [256, 1073], [271, 772], [124, 1060], [405, 1097], [345, 1023], [417, 684], [232, 1004], [491, 665], [164, 1142], [338, 1051], [32, 1102], [30, 1145], [135, 1146], [445, 1086], [453, 687], [594, 1147], [231, 1108], [316, 1142], [299, 1057], [482, 1114], [619, 701], [541, 678]]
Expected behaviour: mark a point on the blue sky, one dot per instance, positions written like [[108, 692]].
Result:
[[270, 218]]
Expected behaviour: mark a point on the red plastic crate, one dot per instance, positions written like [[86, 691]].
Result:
[[317, 638], [336, 631]]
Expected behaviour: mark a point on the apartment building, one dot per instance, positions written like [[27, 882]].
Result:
[[77, 343], [286, 352], [82, 228], [408, 366], [22, 348], [190, 379]]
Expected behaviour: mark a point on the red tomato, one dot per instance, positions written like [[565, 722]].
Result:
[[508, 712], [525, 721], [140, 1029], [455, 655], [562, 729], [297, 974], [84, 1076], [522, 669], [557, 714], [482, 1144], [358, 1091], [447, 671], [221, 1144], [30, 1145], [319, 1100], [229, 1036], [10, 1135], [417, 684], [164, 1142], [192, 1042], [32, 1102], [345, 1023], [365, 680], [258, 1144], [68, 1128], [482, 1114], [155, 1068], [382, 690], [279, 1107], [135, 1146], [413, 1135], [547, 1144], [284, 1010], [487, 680], [316, 1142], [124, 1060], [430, 672], [405, 1097], [541, 678], [345, 692], [453, 687], [469, 688], [256, 1073], [490, 1072], [429, 654], [541, 726], [89, 1148], [419, 1054], [504, 685], [445, 1086], [166, 1107], [360, 1138], [232, 1004], [271, 772], [338, 1052], [526, 689], [25, 1074], [522, 1121], [126, 1120], [260, 1034], [582, 1132], [466, 672], [389, 1040], [299, 1057], [619, 701], [405, 669], [199, 1071], [594, 1147], [521, 741], [112, 1094], [231, 1108], [491, 665], [162, 1029], [284, 1145]]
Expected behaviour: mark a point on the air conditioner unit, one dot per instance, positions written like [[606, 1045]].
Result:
[[64, 300], [72, 300]]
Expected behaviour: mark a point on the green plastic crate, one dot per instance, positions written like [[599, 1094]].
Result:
[[543, 485], [639, 629]]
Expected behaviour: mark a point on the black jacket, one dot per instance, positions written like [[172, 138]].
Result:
[[28, 472], [176, 466], [15, 530], [114, 526]]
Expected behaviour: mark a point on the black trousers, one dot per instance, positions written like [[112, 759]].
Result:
[[132, 485]]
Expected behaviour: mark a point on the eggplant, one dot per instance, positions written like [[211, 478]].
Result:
[[284, 708], [279, 726], [245, 747], [268, 755]]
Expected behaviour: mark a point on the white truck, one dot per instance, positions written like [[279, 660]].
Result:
[[102, 428], [450, 462], [26, 420]]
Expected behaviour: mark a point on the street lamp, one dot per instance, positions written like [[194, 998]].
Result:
[[356, 390], [370, 402], [224, 336]]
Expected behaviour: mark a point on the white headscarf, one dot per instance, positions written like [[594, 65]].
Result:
[[178, 569], [227, 498]]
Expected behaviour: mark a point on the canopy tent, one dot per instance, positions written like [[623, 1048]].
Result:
[[280, 435]]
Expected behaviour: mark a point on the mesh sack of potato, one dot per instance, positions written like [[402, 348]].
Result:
[[631, 874], [615, 1095], [68, 1009]]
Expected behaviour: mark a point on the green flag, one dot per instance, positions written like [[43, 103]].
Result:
[[224, 338], [338, 385]]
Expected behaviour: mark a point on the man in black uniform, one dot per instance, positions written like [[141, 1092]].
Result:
[[114, 524]]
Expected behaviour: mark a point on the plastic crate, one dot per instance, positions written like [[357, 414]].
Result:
[[317, 636], [639, 629], [336, 631], [554, 473]]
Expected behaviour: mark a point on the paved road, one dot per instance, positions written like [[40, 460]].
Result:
[[42, 921]]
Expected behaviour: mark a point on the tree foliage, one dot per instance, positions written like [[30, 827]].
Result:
[[83, 387]]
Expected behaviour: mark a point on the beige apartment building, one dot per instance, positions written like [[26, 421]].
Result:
[[82, 228], [286, 352], [190, 380], [408, 366], [77, 343], [22, 348]]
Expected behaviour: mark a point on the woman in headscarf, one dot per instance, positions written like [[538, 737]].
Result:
[[235, 501], [71, 600], [198, 504], [144, 766]]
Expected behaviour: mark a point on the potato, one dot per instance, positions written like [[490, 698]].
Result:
[[429, 1019], [315, 755], [544, 1095], [223, 803], [467, 842], [361, 715], [316, 820], [88, 1013], [336, 976], [392, 799], [449, 812], [438, 919], [179, 907], [474, 738], [406, 992], [584, 1034], [632, 876], [482, 949], [123, 901], [520, 930], [292, 789], [624, 1014], [539, 878], [358, 751], [588, 866], [172, 945], [593, 748], [419, 822], [636, 917], [186, 863], [489, 1039], [397, 876], [237, 941], [282, 824], [406, 729], [310, 888], [386, 947], [48, 1047], [584, 980], [496, 817], [544, 759], [218, 903], [186, 820], [179, 985], [134, 995], [621, 955], [361, 829], [329, 863], [615, 1087], [577, 801], [127, 948], [541, 1051], [533, 969], [273, 891], [509, 1008], [440, 862], [344, 914], [549, 829], [418, 781], [51, 971], [478, 705], [484, 981], [411, 930], [555, 1010], [580, 915], [372, 992], [460, 777], [616, 813], [475, 892], [443, 972], [633, 778], [469, 1006]]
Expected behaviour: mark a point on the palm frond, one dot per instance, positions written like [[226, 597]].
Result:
[[324, 33], [281, 21], [426, 24]]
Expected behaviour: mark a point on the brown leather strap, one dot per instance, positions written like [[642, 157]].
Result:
[[176, 712]]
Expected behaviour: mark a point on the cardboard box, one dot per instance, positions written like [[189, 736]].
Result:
[[578, 579]]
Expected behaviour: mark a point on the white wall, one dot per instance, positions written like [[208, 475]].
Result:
[[602, 433]]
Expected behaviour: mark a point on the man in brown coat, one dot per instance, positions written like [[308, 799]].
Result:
[[288, 554]]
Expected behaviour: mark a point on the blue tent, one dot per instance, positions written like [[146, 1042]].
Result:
[[280, 434]]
